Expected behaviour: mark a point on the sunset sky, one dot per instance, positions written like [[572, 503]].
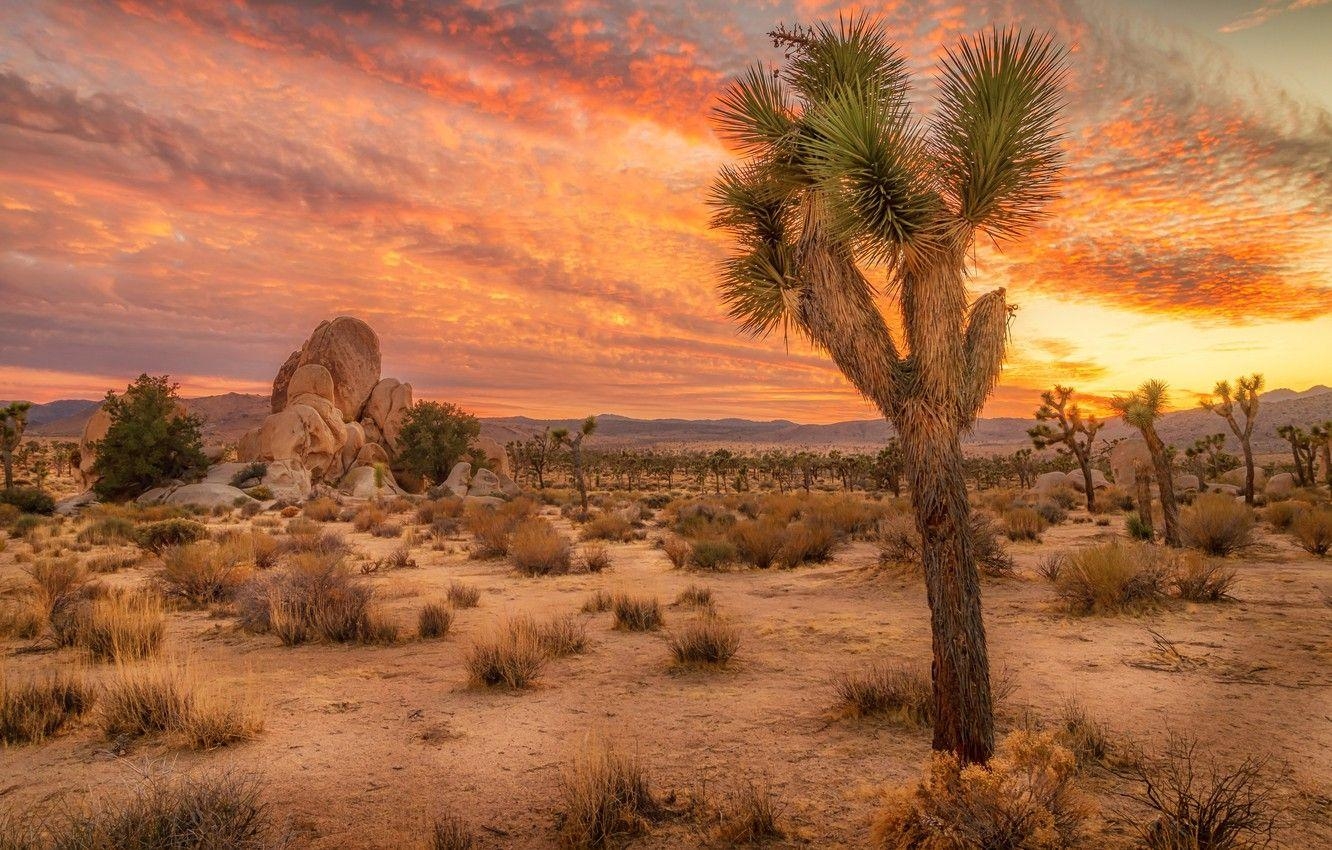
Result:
[[511, 194]]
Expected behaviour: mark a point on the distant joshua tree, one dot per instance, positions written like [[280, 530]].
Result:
[[13, 421], [1301, 451], [1208, 457], [1223, 403], [840, 171], [1141, 408], [1322, 435], [1072, 429], [561, 436]]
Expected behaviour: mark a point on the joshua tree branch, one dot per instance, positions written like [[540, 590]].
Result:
[[983, 351]]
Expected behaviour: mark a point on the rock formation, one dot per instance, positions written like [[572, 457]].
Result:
[[1124, 457]]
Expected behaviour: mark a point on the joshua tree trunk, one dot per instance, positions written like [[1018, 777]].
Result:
[[9, 469], [1085, 462], [1247, 448], [1142, 479], [576, 447], [1327, 462], [1165, 483]]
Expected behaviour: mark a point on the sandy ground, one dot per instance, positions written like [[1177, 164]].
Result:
[[362, 746]]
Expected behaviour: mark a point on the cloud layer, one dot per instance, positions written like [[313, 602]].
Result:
[[512, 195]]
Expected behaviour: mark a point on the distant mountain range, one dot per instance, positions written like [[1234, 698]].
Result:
[[228, 416]]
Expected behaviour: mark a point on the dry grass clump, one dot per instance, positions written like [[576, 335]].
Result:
[[636, 613], [399, 559], [156, 536], [1312, 529], [434, 620], [704, 641], [448, 507], [695, 596], [606, 796], [677, 551], [1084, 736], [1199, 579], [510, 656], [462, 595], [494, 526], [1023, 523], [310, 537], [558, 636], [218, 812], [1024, 798], [37, 709], [1281, 514], [900, 546], [314, 598], [1114, 578], [758, 543], [882, 689], [750, 814], [536, 548], [450, 832], [111, 562], [388, 530], [598, 603], [1200, 804], [609, 525], [367, 517], [122, 627], [1217, 524], [596, 558], [711, 554], [107, 531], [322, 509], [167, 698], [204, 573]]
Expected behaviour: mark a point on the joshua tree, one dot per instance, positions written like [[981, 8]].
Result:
[[1301, 451], [1322, 435], [838, 173], [13, 421], [575, 443], [1074, 430], [1141, 408], [1208, 455], [1223, 402]]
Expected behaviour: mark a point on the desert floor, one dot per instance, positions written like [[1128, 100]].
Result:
[[363, 745]]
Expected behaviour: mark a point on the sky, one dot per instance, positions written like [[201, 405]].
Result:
[[512, 195]]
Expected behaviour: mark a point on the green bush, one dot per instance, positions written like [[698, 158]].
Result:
[[156, 536], [150, 440], [256, 470], [711, 554], [1137, 529], [29, 500]]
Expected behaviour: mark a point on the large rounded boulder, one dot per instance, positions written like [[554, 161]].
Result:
[[349, 349]]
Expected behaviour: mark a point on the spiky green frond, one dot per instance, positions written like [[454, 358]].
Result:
[[759, 289], [868, 156], [825, 58], [995, 135], [751, 204], [1144, 405], [754, 113]]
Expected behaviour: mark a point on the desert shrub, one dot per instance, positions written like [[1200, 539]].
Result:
[[250, 509], [434, 620], [37, 709], [311, 538], [1064, 496], [107, 530], [1024, 798], [898, 541], [599, 602], [250, 472], [844, 514], [758, 543], [146, 701], [314, 598], [508, 656], [557, 636], [809, 541], [148, 440], [991, 557], [695, 596], [430, 511], [883, 689], [20, 618], [677, 551], [445, 527], [450, 832], [1051, 566], [368, 516], [1117, 577], [389, 530], [462, 595], [606, 795], [123, 627], [1083, 735], [493, 527], [596, 558], [637, 613], [321, 510], [203, 573], [706, 640], [1312, 529], [750, 814], [710, 554], [900, 545], [1217, 525], [219, 812], [1052, 512], [1280, 515], [537, 548], [1200, 579], [156, 536], [1200, 804], [1138, 528], [700, 519], [8, 514], [55, 580], [610, 525], [1023, 524], [28, 500], [262, 493]]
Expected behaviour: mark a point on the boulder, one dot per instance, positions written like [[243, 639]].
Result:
[[349, 349], [222, 473], [488, 501], [366, 482], [93, 430], [1281, 484], [371, 454], [71, 505], [1186, 481], [1124, 457], [1228, 489], [499, 458], [299, 433], [1075, 480], [287, 480], [1236, 476], [155, 496], [207, 496], [387, 407], [484, 483], [215, 452], [331, 415], [456, 483], [507, 486], [352, 447], [247, 447], [312, 378], [1049, 481]]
